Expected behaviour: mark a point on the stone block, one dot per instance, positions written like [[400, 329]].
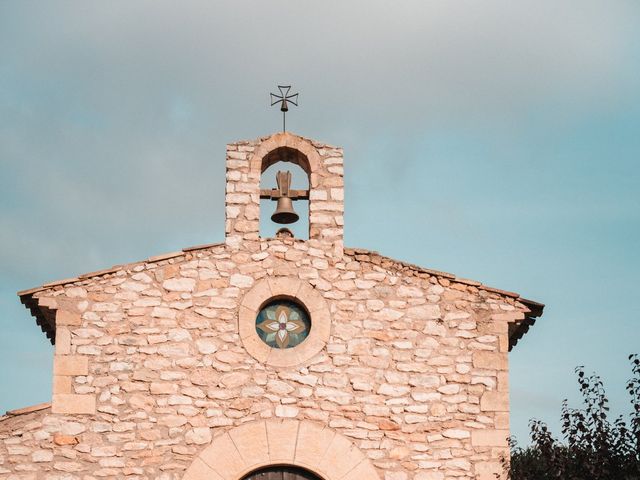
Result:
[[494, 402], [489, 438], [341, 457], [499, 327], [503, 343], [313, 441], [61, 384], [71, 403], [198, 436], [490, 360], [65, 317], [61, 439], [179, 284], [503, 381], [48, 302], [260, 293], [456, 433], [63, 341], [501, 420], [256, 347], [70, 365], [429, 476], [287, 286], [507, 316], [286, 411], [281, 438], [488, 470], [251, 441], [361, 471], [42, 456], [223, 457], [201, 471]]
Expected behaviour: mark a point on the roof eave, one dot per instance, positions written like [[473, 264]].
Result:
[[518, 329]]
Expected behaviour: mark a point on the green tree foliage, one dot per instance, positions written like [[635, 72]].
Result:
[[593, 448]]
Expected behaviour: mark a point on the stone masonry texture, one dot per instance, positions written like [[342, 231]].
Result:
[[149, 367]]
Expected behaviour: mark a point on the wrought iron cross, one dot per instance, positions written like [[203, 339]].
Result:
[[283, 99]]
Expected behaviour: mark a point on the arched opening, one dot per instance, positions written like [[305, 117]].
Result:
[[281, 159], [281, 473], [286, 154]]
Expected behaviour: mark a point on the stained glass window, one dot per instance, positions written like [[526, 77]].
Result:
[[283, 324]]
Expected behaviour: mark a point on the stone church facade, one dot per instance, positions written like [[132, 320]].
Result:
[[259, 358]]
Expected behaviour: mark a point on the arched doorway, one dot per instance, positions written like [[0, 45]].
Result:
[[253, 448], [281, 473]]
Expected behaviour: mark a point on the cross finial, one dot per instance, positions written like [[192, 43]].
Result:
[[283, 99]]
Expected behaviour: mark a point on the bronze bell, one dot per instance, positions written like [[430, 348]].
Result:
[[284, 212]]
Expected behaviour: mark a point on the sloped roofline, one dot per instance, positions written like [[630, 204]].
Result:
[[516, 329], [45, 314]]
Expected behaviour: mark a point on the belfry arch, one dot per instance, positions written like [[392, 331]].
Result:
[[286, 160], [284, 157], [287, 155], [251, 447], [302, 152], [324, 168]]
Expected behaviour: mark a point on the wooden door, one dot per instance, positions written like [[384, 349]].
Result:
[[281, 473]]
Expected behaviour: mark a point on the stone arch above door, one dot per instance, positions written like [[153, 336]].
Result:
[[254, 445]]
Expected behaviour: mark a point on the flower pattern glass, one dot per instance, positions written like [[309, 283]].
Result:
[[283, 324]]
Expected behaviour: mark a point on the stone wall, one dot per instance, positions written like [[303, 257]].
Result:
[[149, 366]]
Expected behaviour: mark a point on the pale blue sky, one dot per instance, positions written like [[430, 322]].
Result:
[[497, 140]]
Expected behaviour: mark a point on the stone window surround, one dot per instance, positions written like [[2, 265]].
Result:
[[258, 444], [298, 290]]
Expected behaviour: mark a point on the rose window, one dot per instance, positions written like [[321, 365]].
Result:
[[283, 324]]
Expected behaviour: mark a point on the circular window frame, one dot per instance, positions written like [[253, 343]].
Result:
[[298, 291], [291, 300]]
